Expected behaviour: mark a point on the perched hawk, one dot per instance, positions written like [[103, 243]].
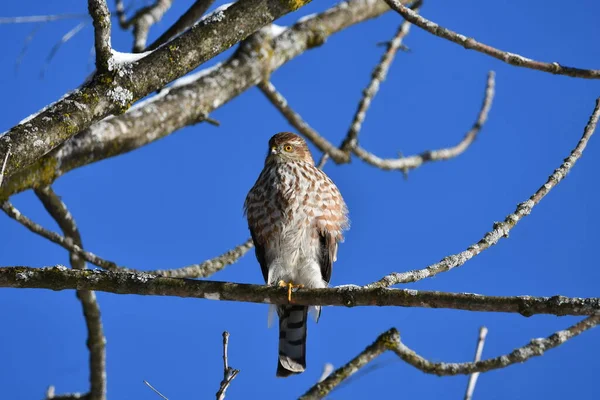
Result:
[[296, 216]]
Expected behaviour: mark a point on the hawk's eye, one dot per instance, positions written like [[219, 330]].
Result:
[[288, 148]]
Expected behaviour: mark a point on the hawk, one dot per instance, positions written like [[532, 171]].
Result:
[[296, 216]]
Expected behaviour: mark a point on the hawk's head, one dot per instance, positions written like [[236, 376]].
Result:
[[286, 146]]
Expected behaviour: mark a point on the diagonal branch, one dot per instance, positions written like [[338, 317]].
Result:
[[301, 126], [174, 108], [470, 43], [96, 341], [3, 167], [114, 92], [405, 164], [390, 340], [378, 76], [500, 229], [192, 15], [101, 16], [61, 278], [228, 373], [478, 351]]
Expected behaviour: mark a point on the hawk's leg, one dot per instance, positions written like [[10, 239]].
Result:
[[290, 286]]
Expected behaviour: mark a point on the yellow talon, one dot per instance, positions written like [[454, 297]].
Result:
[[290, 286]]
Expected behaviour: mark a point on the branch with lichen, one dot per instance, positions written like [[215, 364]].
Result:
[[500, 229], [470, 43], [113, 92], [61, 278], [98, 10], [390, 341], [173, 108]]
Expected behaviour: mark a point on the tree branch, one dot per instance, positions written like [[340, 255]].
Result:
[[61, 278], [500, 229], [390, 340], [202, 270], [405, 164], [301, 126], [101, 16], [91, 311], [179, 106], [142, 21], [478, 351], [377, 77], [188, 19], [470, 43], [114, 92], [228, 373]]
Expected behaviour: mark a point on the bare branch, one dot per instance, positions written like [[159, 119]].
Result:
[[202, 270], [39, 18], [377, 77], [193, 14], [91, 311], [478, 351], [142, 21], [303, 128], [228, 373], [143, 124], [500, 229], [405, 164], [66, 37], [470, 43], [61, 278], [155, 390], [390, 340], [101, 16]]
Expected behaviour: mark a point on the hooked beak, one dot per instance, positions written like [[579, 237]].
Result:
[[273, 150]]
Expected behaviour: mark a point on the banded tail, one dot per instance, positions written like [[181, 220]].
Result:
[[292, 340]]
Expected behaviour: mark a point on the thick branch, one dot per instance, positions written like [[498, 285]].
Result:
[[390, 340], [91, 311], [180, 106], [113, 93], [470, 43], [61, 278], [188, 19], [500, 229], [98, 10], [405, 164]]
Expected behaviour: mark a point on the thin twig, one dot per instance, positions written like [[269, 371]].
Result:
[[405, 164], [390, 340], [500, 229], [470, 43], [327, 370], [4, 166], [64, 39], [377, 77], [478, 351], [101, 16], [142, 21], [62, 278], [39, 18], [202, 270], [228, 373], [155, 390], [301, 126], [188, 19], [91, 311]]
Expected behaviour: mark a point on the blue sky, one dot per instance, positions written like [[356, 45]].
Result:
[[179, 201]]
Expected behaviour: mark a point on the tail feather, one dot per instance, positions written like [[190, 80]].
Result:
[[292, 340]]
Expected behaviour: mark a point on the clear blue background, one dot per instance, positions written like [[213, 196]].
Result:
[[179, 201]]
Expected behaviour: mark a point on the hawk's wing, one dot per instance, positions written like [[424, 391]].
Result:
[[259, 250], [327, 254]]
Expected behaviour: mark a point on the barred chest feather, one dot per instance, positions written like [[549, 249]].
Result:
[[290, 205]]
